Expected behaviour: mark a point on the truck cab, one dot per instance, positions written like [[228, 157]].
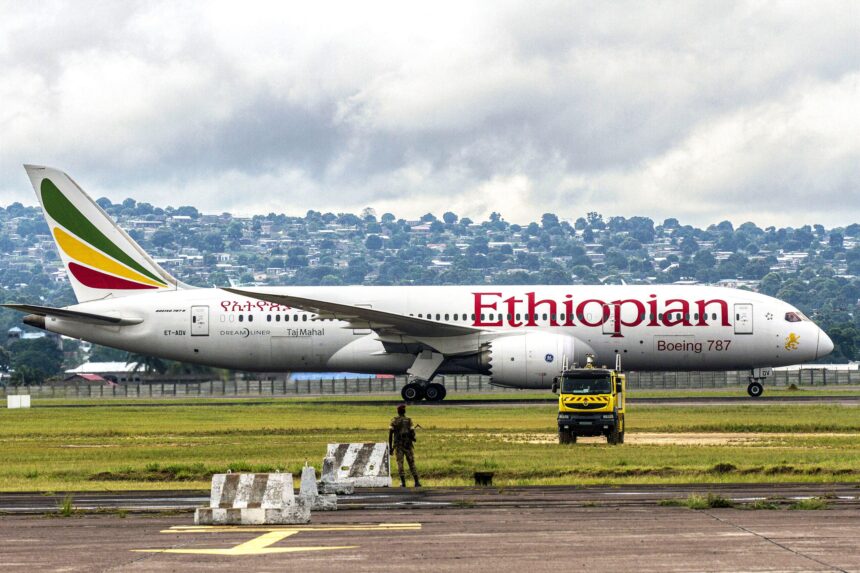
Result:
[[590, 403]]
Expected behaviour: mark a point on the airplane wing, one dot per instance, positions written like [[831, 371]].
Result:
[[75, 315], [360, 317]]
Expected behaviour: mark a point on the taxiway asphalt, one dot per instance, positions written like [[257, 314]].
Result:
[[458, 529], [838, 494]]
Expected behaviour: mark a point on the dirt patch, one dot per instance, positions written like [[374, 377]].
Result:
[[697, 439]]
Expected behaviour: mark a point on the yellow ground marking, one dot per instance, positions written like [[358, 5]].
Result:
[[262, 544], [90, 257]]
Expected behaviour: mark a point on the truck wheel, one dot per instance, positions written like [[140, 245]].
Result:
[[755, 389], [412, 393], [566, 437], [621, 437], [613, 437]]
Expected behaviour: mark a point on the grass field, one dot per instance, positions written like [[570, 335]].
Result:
[[134, 446]]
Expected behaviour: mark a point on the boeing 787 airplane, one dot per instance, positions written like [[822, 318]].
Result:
[[519, 336]]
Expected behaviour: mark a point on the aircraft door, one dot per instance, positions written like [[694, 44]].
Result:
[[743, 318], [609, 320], [199, 321]]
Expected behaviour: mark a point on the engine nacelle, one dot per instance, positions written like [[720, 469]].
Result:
[[532, 359]]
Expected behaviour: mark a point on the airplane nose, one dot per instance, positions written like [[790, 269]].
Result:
[[825, 345]]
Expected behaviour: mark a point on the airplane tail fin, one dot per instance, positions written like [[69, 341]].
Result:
[[101, 260]]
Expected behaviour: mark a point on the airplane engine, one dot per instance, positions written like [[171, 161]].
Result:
[[533, 359]]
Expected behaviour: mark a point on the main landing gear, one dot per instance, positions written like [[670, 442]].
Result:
[[422, 371], [756, 378], [423, 390]]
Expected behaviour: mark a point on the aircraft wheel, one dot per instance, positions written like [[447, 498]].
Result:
[[412, 393], [755, 389], [434, 393]]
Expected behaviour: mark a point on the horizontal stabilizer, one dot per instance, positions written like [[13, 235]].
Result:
[[76, 315]]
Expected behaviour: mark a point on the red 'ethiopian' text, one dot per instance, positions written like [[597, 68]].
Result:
[[491, 309]]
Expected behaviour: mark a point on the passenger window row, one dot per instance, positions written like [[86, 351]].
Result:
[[269, 317], [559, 317]]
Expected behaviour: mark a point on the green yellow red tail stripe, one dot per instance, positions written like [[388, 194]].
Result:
[[94, 279], [92, 258], [99, 262]]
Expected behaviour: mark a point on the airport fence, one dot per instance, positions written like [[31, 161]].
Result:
[[780, 378], [454, 384]]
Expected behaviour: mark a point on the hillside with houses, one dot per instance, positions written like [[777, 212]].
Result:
[[814, 267]]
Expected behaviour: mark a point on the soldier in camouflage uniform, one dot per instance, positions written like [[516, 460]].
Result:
[[401, 436]]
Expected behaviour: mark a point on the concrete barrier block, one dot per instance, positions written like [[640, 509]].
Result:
[[18, 401], [358, 464], [328, 483], [310, 492], [341, 488], [253, 499]]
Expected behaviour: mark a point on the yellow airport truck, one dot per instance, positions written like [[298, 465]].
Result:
[[590, 403]]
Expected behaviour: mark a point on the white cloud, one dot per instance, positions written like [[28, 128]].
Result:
[[731, 110]]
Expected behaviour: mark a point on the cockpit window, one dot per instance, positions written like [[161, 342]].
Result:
[[792, 317]]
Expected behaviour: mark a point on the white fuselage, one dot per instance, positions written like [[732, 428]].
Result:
[[651, 327]]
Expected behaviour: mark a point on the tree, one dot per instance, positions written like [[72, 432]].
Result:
[[836, 241], [5, 359], [212, 242], [770, 284], [41, 355], [27, 376], [163, 237], [107, 354], [373, 242], [549, 221], [852, 257], [297, 257], [449, 217], [595, 220]]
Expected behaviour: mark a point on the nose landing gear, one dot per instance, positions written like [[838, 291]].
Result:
[[756, 378], [755, 389]]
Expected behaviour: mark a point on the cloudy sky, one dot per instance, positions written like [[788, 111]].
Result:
[[700, 111]]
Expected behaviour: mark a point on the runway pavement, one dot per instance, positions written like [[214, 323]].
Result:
[[840, 494], [458, 529]]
